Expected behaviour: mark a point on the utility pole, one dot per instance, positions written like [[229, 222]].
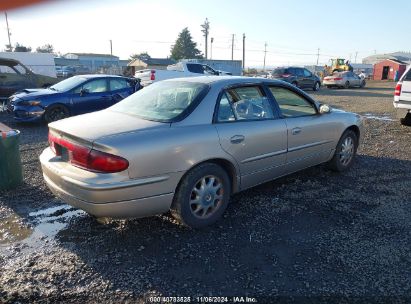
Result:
[[243, 51], [265, 53], [318, 55], [8, 30], [211, 49], [356, 53], [232, 48], [111, 47], [206, 28]]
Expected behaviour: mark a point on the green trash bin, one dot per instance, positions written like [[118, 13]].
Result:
[[10, 163]]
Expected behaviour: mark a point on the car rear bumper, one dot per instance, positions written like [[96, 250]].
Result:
[[106, 196], [333, 83], [402, 104]]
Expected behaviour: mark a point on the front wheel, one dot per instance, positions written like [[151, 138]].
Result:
[[345, 152], [202, 196], [56, 112], [316, 86], [347, 84]]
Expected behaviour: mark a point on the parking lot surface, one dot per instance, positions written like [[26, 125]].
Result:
[[313, 235]]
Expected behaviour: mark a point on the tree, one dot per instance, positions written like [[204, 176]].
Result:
[[141, 56], [185, 47], [9, 48], [21, 48], [47, 48]]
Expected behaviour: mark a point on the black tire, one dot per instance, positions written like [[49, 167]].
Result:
[[56, 112], [317, 86], [347, 85], [406, 121], [187, 196], [362, 84], [339, 161]]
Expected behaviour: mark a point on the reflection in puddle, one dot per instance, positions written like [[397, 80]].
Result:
[[12, 229], [47, 223], [384, 117]]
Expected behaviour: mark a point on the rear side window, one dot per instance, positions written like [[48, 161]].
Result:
[[291, 104], [279, 71], [244, 103], [299, 72], [408, 76]]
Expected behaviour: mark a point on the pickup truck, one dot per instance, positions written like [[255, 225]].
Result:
[[402, 97], [178, 70]]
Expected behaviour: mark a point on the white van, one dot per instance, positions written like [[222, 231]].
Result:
[[402, 97]]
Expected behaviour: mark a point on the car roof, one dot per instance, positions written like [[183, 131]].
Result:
[[227, 80], [99, 76]]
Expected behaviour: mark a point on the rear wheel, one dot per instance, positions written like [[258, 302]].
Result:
[[294, 83], [316, 86], [345, 152], [347, 84], [202, 196], [362, 84], [56, 112], [406, 121]]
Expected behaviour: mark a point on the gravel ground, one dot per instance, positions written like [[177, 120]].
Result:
[[315, 236]]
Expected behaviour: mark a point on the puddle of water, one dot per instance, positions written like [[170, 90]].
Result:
[[47, 223], [382, 117]]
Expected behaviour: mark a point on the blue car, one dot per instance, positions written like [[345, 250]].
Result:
[[73, 96]]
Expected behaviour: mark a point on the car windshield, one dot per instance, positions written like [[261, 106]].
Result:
[[161, 101], [68, 84]]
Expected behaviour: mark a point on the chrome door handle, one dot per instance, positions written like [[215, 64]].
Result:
[[295, 131], [236, 139]]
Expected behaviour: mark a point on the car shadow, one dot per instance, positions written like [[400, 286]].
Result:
[[281, 237]]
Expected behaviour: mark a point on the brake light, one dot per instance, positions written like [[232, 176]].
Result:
[[285, 75], [88, 158], [338, 78], [153, 75], [398, 88]]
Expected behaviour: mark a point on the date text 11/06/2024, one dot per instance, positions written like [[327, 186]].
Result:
[[202, 300]]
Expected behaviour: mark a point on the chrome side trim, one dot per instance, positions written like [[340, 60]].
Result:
[[263, 156], [118, 185], [309, 145]]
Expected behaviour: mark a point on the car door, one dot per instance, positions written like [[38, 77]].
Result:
[[308, 79], [310, 135], [12, 80], [92, 96], [120, 88], [251, 131]]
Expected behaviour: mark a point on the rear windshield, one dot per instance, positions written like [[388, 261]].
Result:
[[163, 101]]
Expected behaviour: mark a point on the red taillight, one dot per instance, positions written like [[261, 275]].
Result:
[[286, 75], [337, 78], [153, 75], [397, 91], [88, 158]]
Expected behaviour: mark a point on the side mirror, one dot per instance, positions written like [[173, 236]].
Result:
[[83, 92], [324, 109]]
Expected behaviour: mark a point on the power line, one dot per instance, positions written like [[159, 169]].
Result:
[[265, 53]]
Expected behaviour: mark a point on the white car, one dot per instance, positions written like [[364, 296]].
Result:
[[402, 97]]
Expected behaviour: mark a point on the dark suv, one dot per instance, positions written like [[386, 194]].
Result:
[[300, 77]]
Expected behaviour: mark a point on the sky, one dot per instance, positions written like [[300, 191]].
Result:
[[292, 30]]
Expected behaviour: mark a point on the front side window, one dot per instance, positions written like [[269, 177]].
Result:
[[244, 103], [118, 84], [96, 86], [307, 73], [195, 68], [162, 101], [291, 104]]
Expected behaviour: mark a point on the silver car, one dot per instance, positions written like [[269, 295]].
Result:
[[187, 144], [344, 80]]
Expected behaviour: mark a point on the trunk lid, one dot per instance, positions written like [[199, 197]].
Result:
[[92, 126]]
